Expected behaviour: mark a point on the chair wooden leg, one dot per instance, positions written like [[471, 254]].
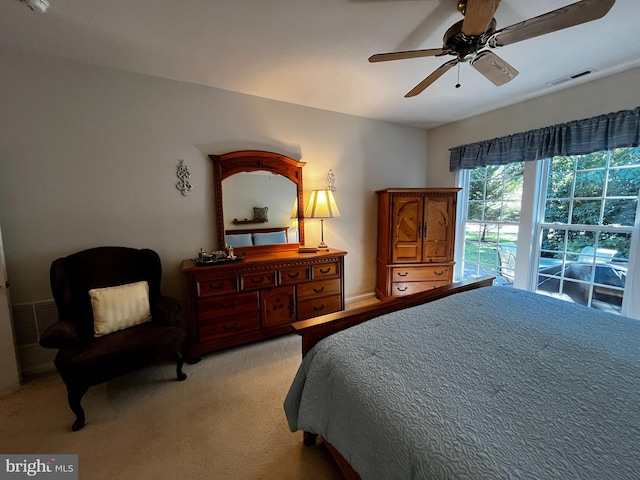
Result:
[[179, 362], [74, 396]]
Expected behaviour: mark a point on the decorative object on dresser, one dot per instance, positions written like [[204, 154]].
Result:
[[232, 303], [416, 235]]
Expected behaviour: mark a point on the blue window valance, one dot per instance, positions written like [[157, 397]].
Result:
[[579, 137]]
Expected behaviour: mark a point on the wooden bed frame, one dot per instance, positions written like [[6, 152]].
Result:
[[315, 329]]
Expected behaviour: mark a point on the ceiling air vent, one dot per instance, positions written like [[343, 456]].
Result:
[[568, 78]]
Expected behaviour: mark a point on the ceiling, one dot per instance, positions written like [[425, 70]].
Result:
[[314, 52]]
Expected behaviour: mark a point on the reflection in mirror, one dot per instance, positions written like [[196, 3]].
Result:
[[259, 190], [246, 191]]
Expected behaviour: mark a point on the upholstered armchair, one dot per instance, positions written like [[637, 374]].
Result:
[[112, 318]]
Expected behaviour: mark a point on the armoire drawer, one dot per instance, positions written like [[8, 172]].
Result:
[[400, 289], [319, 306], [226, 305], [319, 288], [420, 274]]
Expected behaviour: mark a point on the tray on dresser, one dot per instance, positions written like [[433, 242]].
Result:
[[216, 261]]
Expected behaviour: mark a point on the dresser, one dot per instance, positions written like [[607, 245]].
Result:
[[416, 238], [259, 296]]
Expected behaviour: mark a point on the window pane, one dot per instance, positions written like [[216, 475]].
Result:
[[624, 182], [475, 211], [511, 211], [619, 212], [589, 184], [557, 211], [476, 190], [513, 188], [493, 211], [586, 212], [561, 164], [592, 160], [514, 169], [618, 241], [494, 189], [559, 185], [625, 156], [477, 174]]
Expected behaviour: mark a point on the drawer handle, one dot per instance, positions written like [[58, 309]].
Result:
[[291, 275], [229, 305], [321, 307], [318, 290], [232, 327], [216, 287], [440, 273], [325, 271], [403, 274], [258, 280], [402, 289]]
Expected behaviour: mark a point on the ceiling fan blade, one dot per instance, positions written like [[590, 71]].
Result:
[[438, 72], [430, 52], [494, 68], [565, 17], [478, 15]]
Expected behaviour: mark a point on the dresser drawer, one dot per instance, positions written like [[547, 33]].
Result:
[[319, 306], [217, 286], [293, 275], [222, 327], [420, 274], [400, 289], [223, 306], [326, 270], [253, 281], [319, 288]]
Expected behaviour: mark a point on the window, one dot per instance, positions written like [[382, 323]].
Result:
[[574, 218], [590, 209], [491, 220]]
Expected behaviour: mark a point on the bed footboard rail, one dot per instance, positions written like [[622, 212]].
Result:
[[315, 329]]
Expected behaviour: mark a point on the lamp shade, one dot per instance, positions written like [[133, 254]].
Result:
[[322, 205]]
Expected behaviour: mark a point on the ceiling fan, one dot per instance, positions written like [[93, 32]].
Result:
[[471, 40]]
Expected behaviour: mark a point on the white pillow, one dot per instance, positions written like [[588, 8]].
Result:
[[117, 308]]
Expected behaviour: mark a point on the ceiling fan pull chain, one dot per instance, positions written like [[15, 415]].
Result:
[[458, 84]]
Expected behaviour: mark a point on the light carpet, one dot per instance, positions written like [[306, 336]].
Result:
[[226, 421]]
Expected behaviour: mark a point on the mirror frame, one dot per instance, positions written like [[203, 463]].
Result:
[[231, 163]]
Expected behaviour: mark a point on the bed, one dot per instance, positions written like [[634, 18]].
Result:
[[485, 383]]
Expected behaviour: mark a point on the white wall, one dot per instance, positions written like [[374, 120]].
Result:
[[89, 156], [610, 94]]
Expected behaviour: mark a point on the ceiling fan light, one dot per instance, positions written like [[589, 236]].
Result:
[[39, 6]]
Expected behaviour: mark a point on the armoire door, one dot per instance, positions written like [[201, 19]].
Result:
[[438, 230], [407, 224]]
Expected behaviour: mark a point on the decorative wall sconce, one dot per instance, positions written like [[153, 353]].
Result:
[[183, 179]]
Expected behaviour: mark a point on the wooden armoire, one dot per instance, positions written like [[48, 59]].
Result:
[[416, 237]]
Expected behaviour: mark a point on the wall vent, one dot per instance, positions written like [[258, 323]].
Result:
[[30, 320], [568, 78]]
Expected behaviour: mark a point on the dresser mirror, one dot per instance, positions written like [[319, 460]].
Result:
[[257, 195]]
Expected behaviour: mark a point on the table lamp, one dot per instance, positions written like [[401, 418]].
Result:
[[322, 205]]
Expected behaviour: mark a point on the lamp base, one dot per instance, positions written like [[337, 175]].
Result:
[[323, 246]]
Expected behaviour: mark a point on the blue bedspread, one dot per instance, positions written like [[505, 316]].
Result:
[[495, 383]]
